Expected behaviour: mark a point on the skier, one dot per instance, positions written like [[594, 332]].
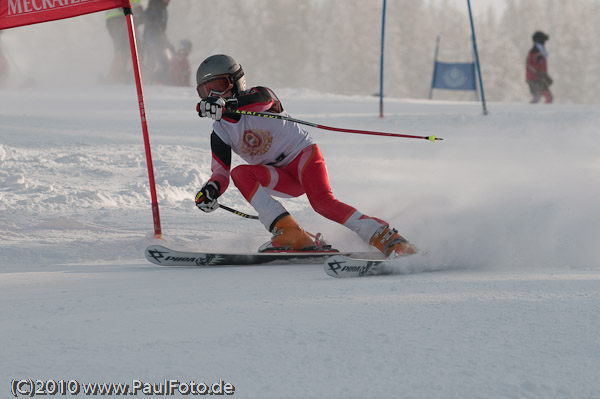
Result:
[[283, 160], [537, 69]]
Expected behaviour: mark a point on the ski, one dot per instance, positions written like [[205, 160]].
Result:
[[160, 255], [340, 266]]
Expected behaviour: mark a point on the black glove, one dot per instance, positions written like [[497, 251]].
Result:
[[206, 199], [213, 107]]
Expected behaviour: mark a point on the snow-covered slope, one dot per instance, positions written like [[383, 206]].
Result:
[[506, 205]]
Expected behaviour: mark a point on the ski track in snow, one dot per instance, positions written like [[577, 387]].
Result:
[[505, 305]]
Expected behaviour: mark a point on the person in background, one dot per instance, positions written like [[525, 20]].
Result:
[[282, 160], [180, 71], [536, 73], [117, 28], [4, 68], [158, 50]]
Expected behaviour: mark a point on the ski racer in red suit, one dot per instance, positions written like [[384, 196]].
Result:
[[282, 160], [536, 73]]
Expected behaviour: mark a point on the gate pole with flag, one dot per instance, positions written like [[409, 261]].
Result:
[[452, 75], [477, 58], [138, 83], [15, 13]]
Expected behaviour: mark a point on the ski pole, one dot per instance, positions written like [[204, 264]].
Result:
[[335, 129], [242, 214]]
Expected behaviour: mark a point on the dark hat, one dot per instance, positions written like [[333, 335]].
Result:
[[540, 37]]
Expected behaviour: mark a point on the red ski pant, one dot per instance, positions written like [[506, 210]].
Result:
[[539, 89], [306, 174]]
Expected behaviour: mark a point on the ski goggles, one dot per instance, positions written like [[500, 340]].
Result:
[[216, 86]]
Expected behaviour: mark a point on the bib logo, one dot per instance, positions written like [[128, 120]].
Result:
[[256, 142]]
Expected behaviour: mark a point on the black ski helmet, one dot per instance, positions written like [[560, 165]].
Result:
[[219, 65], [540, 37]]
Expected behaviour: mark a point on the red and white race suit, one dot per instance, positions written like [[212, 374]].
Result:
[[282, 161]]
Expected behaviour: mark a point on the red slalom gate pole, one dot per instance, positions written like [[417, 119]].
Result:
[[335, 129], [138, 84]]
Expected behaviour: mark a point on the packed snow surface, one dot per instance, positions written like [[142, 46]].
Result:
[[507, 306]]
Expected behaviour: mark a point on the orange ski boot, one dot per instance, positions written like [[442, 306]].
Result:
[[389, 242], [288, 235]]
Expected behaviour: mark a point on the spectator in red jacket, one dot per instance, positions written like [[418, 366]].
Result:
[[537, 69]]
